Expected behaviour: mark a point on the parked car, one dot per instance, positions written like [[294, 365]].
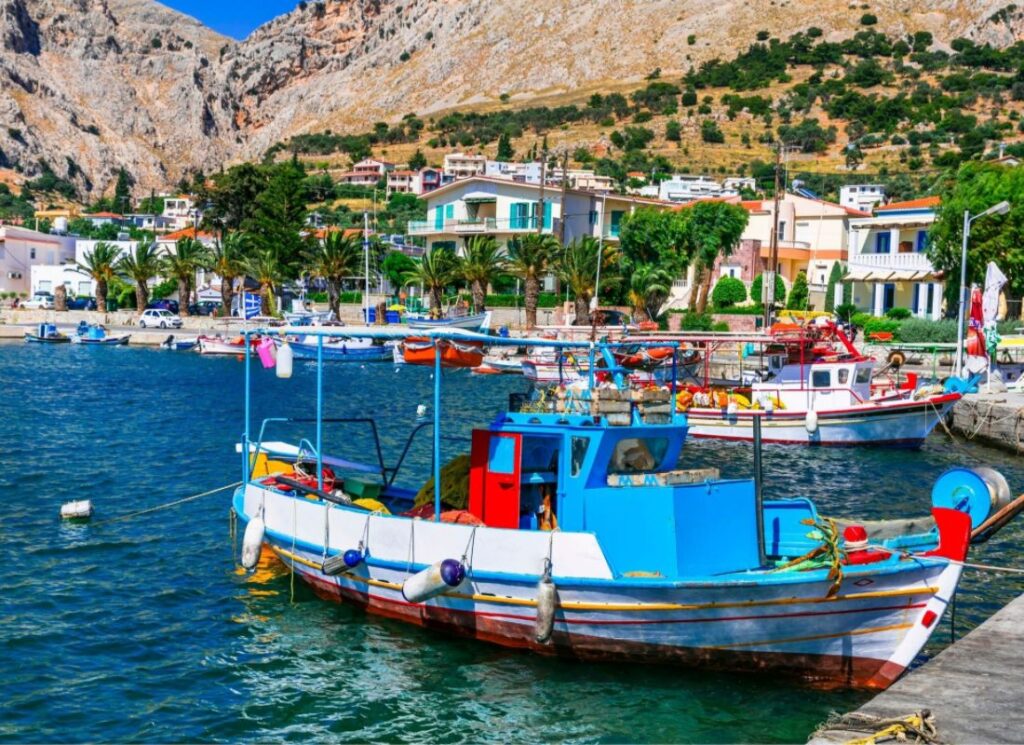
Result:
[[205, 308], [165, 304], [39, 301], [81, 303], [159, 318]]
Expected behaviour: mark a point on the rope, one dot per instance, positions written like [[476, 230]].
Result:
[[918, 727], [295, 530], [990, 568], [175, 503], [467, 560]]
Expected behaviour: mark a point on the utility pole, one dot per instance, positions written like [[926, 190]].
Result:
[[768, 275], [543, 178], [565, 186]]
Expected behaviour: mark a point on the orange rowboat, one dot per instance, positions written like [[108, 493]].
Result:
[[421, 351]]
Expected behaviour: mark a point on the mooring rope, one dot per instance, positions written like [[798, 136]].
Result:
[[168, 505], [919, 727]]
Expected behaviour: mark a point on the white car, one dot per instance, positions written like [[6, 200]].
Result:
[[39, 301], [159, 318]]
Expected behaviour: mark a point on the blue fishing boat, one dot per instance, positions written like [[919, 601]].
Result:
[[574, 527], [339, 349], [179, 345], [96, 335], [454, 320], [47, 333]]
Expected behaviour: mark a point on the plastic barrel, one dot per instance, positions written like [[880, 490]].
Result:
[[979, 492]]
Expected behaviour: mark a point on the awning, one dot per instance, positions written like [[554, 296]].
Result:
[[857, 274], [479, 197], [864, 274]]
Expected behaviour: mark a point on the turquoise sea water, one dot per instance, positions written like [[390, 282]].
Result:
[[144, 630]]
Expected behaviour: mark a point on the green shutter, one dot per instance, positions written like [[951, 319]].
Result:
[[439, 218]]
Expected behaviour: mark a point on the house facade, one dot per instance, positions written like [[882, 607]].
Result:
[[367, 172], [888, 266], [464, 165], [21, 249], [863, 197]]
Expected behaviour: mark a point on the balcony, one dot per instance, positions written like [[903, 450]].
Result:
[[476, 226], [917, 262]]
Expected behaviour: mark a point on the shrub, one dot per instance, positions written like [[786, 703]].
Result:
[[881, 326], [709, 132], [799, 294], [689, 97], [728, 291], [898, 314], [511, 300], [923, 331], [846, 311], [868, 19], [697, 322], [860, 320], [780, 290]]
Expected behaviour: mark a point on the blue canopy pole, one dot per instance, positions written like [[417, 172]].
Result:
[[245, 434], [590, 373], [674, 393], [319, 412], [437, 430]]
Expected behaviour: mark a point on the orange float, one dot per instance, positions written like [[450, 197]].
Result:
[[421, 351]]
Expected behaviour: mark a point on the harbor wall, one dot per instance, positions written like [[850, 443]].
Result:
[[994, 418]]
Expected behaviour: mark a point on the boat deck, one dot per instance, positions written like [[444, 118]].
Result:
[[973, 688]]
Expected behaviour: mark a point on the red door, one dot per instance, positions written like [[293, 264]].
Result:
[[494, 479]]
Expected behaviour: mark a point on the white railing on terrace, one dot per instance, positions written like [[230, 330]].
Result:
[[475, 225], [915, 261]]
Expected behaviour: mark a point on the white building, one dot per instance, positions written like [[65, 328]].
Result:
[[863, 197], [367, 172], [464, 165], [21, 249], [682, 188], [888, 266]]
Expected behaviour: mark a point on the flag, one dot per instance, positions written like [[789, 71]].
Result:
[[994, 282], [251, 305]]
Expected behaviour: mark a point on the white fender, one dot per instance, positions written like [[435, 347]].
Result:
[[284, 361], [436, 579], [252, 542], [547, 601], [811, 422]]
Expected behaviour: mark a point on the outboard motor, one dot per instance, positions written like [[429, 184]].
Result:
[[169, 341]]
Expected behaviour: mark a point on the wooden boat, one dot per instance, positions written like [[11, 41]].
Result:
[[47, 333], [478, 322], [651, 561], [421, 351], [339, 349], [501, 362], [220, 345], [96, 335]]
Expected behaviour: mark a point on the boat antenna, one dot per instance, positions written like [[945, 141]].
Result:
[[366, 255]]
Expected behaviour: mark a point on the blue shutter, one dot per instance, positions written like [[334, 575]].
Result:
[[439, 218], [922, 240], [449, 211], [915, 297], [882, 243], [549, 209]]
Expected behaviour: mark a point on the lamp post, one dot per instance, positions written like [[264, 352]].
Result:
[[997, 209]]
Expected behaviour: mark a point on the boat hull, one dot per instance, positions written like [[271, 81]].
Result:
[[341, 352], [479, 322], [863, 635], [110, 341], [900, 422], [34, 339], [209, 345]]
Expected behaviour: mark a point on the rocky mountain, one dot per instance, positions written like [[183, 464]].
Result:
[[90, 86]]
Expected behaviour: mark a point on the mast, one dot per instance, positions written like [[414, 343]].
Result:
[[366, 256]]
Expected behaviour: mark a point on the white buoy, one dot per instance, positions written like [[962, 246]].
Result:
[[811, 422], [421, 411], [547, 601], [284, 361], [252, 542], [79, 510], [732, 408], [436, 579]]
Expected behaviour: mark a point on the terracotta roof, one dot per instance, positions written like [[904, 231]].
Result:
[[912, 204], [102, 214], [752, 204], [636, 174], [184, 233], [322, 232]]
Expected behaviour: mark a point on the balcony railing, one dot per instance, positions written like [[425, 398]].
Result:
[[916, 261], [475, 226]]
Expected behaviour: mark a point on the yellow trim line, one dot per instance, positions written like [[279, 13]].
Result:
[[816, 637], [576, 605]]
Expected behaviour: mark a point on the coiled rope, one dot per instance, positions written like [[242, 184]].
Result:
[[918, 727], [168, 505]]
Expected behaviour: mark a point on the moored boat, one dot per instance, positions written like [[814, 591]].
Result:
[[179, 345], [454, 353], [339, 349], [478, 322], [47, 333], [96, 335], [581, 532], [221, 345]]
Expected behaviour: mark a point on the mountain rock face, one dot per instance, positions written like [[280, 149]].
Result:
[[89, 86]]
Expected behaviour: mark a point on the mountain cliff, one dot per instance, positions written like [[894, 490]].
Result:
[[90, 86]]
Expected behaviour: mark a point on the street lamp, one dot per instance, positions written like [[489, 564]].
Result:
[[997, 209]]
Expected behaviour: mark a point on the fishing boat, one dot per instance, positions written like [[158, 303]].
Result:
[[501, 361], [96, 335], [338, 349], [452, 352], [824, 395], [47, 333], [478, 322], [574, 527], [179, 345], [222, 345]]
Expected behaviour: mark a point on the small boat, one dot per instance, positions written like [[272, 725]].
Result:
[[220, 345], [422, 351], [501, 362], [96, 335], [339, 349], [479, 322], [574, 527], [179, 345], [47, 333]]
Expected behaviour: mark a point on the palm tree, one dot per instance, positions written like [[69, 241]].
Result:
[[99, 266], [576, 266], [482, 264], [227, 261], [435, 271], [140, 266], [188, 257], [529, 257], [648, 288], [265, 267], [333, 260]]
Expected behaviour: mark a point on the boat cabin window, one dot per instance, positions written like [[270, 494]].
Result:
[[502, 455], [638, 455], [578, 453], [844, 376], [863, 375], [821, 379]]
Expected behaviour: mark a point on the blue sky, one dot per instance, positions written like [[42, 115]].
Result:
[[232, 17]]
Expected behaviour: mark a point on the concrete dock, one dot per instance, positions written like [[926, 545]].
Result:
[[972, 688], [993, 418]]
